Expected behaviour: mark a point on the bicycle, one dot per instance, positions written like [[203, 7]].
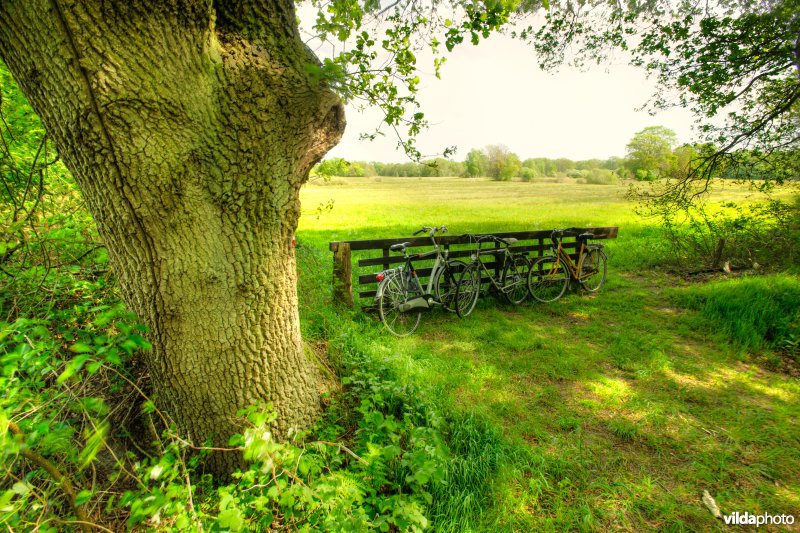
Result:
[[550, 275], [511, 282], [401, 298]]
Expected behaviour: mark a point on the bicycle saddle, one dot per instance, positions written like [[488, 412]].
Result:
[[399, 247], [585, 236], [510, 241]]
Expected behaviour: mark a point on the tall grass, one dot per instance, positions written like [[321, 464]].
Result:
[[753, 313]]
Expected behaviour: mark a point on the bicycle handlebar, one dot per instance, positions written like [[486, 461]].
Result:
[[478, 238], [431, 231]]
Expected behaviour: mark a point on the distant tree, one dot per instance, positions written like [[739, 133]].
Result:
[[475, 164], [445, 167], [527, 173], [650, 153], [613, 163], [588, 164], [683, 161], [501, 164], [734, 59], [564, 165], [335, 166]]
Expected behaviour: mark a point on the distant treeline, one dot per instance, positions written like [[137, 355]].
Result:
[[653, 153], [528, 169]]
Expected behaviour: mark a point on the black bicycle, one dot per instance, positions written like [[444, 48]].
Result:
[[511, 281]]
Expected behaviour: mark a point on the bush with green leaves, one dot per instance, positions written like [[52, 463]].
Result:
[[64, 387], [600, 176], [379, 460], [80, 445], [764, 234]]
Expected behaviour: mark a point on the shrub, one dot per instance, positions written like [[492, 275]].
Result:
[[600, 176], [762, 234], [577, 174], [527, 174]]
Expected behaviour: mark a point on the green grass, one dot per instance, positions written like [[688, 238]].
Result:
[[752, 312], [614, 411]]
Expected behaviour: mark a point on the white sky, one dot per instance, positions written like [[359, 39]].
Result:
[[494, 93]]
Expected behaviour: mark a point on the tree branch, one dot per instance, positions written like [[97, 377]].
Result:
[[55, 473]]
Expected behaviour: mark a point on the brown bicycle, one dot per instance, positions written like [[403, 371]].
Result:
[[550, 275]]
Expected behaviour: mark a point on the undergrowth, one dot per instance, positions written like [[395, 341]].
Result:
[[382, 457], [753, 313]]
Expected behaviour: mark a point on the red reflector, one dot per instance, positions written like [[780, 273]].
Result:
[[294, 243], [380, 277]]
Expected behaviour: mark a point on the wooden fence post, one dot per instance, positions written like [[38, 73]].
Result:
[[342, 274]]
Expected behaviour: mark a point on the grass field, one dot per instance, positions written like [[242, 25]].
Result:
[[619, 409]]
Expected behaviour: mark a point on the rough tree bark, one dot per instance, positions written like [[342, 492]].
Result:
[[190, 126]]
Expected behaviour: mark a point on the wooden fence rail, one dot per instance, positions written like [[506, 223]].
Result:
[[370, 262]]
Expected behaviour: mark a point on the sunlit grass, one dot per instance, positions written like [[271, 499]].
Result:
[[620, 409]]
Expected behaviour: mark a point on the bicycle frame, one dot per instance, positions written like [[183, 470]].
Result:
[[573, 266], [505, 252], [426, 297], [409, 267]]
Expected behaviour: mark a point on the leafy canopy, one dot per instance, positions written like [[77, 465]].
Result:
[[737, 59]]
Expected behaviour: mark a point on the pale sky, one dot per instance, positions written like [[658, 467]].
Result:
[[494, 93]]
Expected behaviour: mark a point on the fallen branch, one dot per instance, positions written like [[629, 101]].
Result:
[[58, 477]]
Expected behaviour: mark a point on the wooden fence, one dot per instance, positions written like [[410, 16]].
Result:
[[375, 256]]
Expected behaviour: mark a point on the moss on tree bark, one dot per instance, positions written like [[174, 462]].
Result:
[[190, 127]]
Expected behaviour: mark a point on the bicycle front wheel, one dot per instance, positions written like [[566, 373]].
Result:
[[592, 272], [514, 280], [393, 291], [468, 290], [445, 283], [548, 279]]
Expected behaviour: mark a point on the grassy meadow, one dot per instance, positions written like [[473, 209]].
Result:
[[613, 411]]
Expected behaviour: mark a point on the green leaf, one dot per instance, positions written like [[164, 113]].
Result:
[[83, 497], [81, 347], [231, 519], [93, 445]]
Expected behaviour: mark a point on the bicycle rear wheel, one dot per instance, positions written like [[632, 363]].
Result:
[[515, 279], [468, 290], [548, 279], [394, 290], [445, 283], [592, 273]]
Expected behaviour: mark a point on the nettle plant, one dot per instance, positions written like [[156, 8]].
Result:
[[380, 477], [370, 463]]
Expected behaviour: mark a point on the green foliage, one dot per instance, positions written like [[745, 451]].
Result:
[[763, 234], [527, 174], [58, 376], [501, 164], [754, 313], [394, 470], [735, 60], [600, 176], [48, 241], [475, 164], [368, 34], [577, 174], [650, 154]]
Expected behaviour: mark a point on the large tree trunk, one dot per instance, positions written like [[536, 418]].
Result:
[[190, 127]]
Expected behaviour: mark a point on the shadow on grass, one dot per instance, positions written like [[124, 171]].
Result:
[[626, 414]]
